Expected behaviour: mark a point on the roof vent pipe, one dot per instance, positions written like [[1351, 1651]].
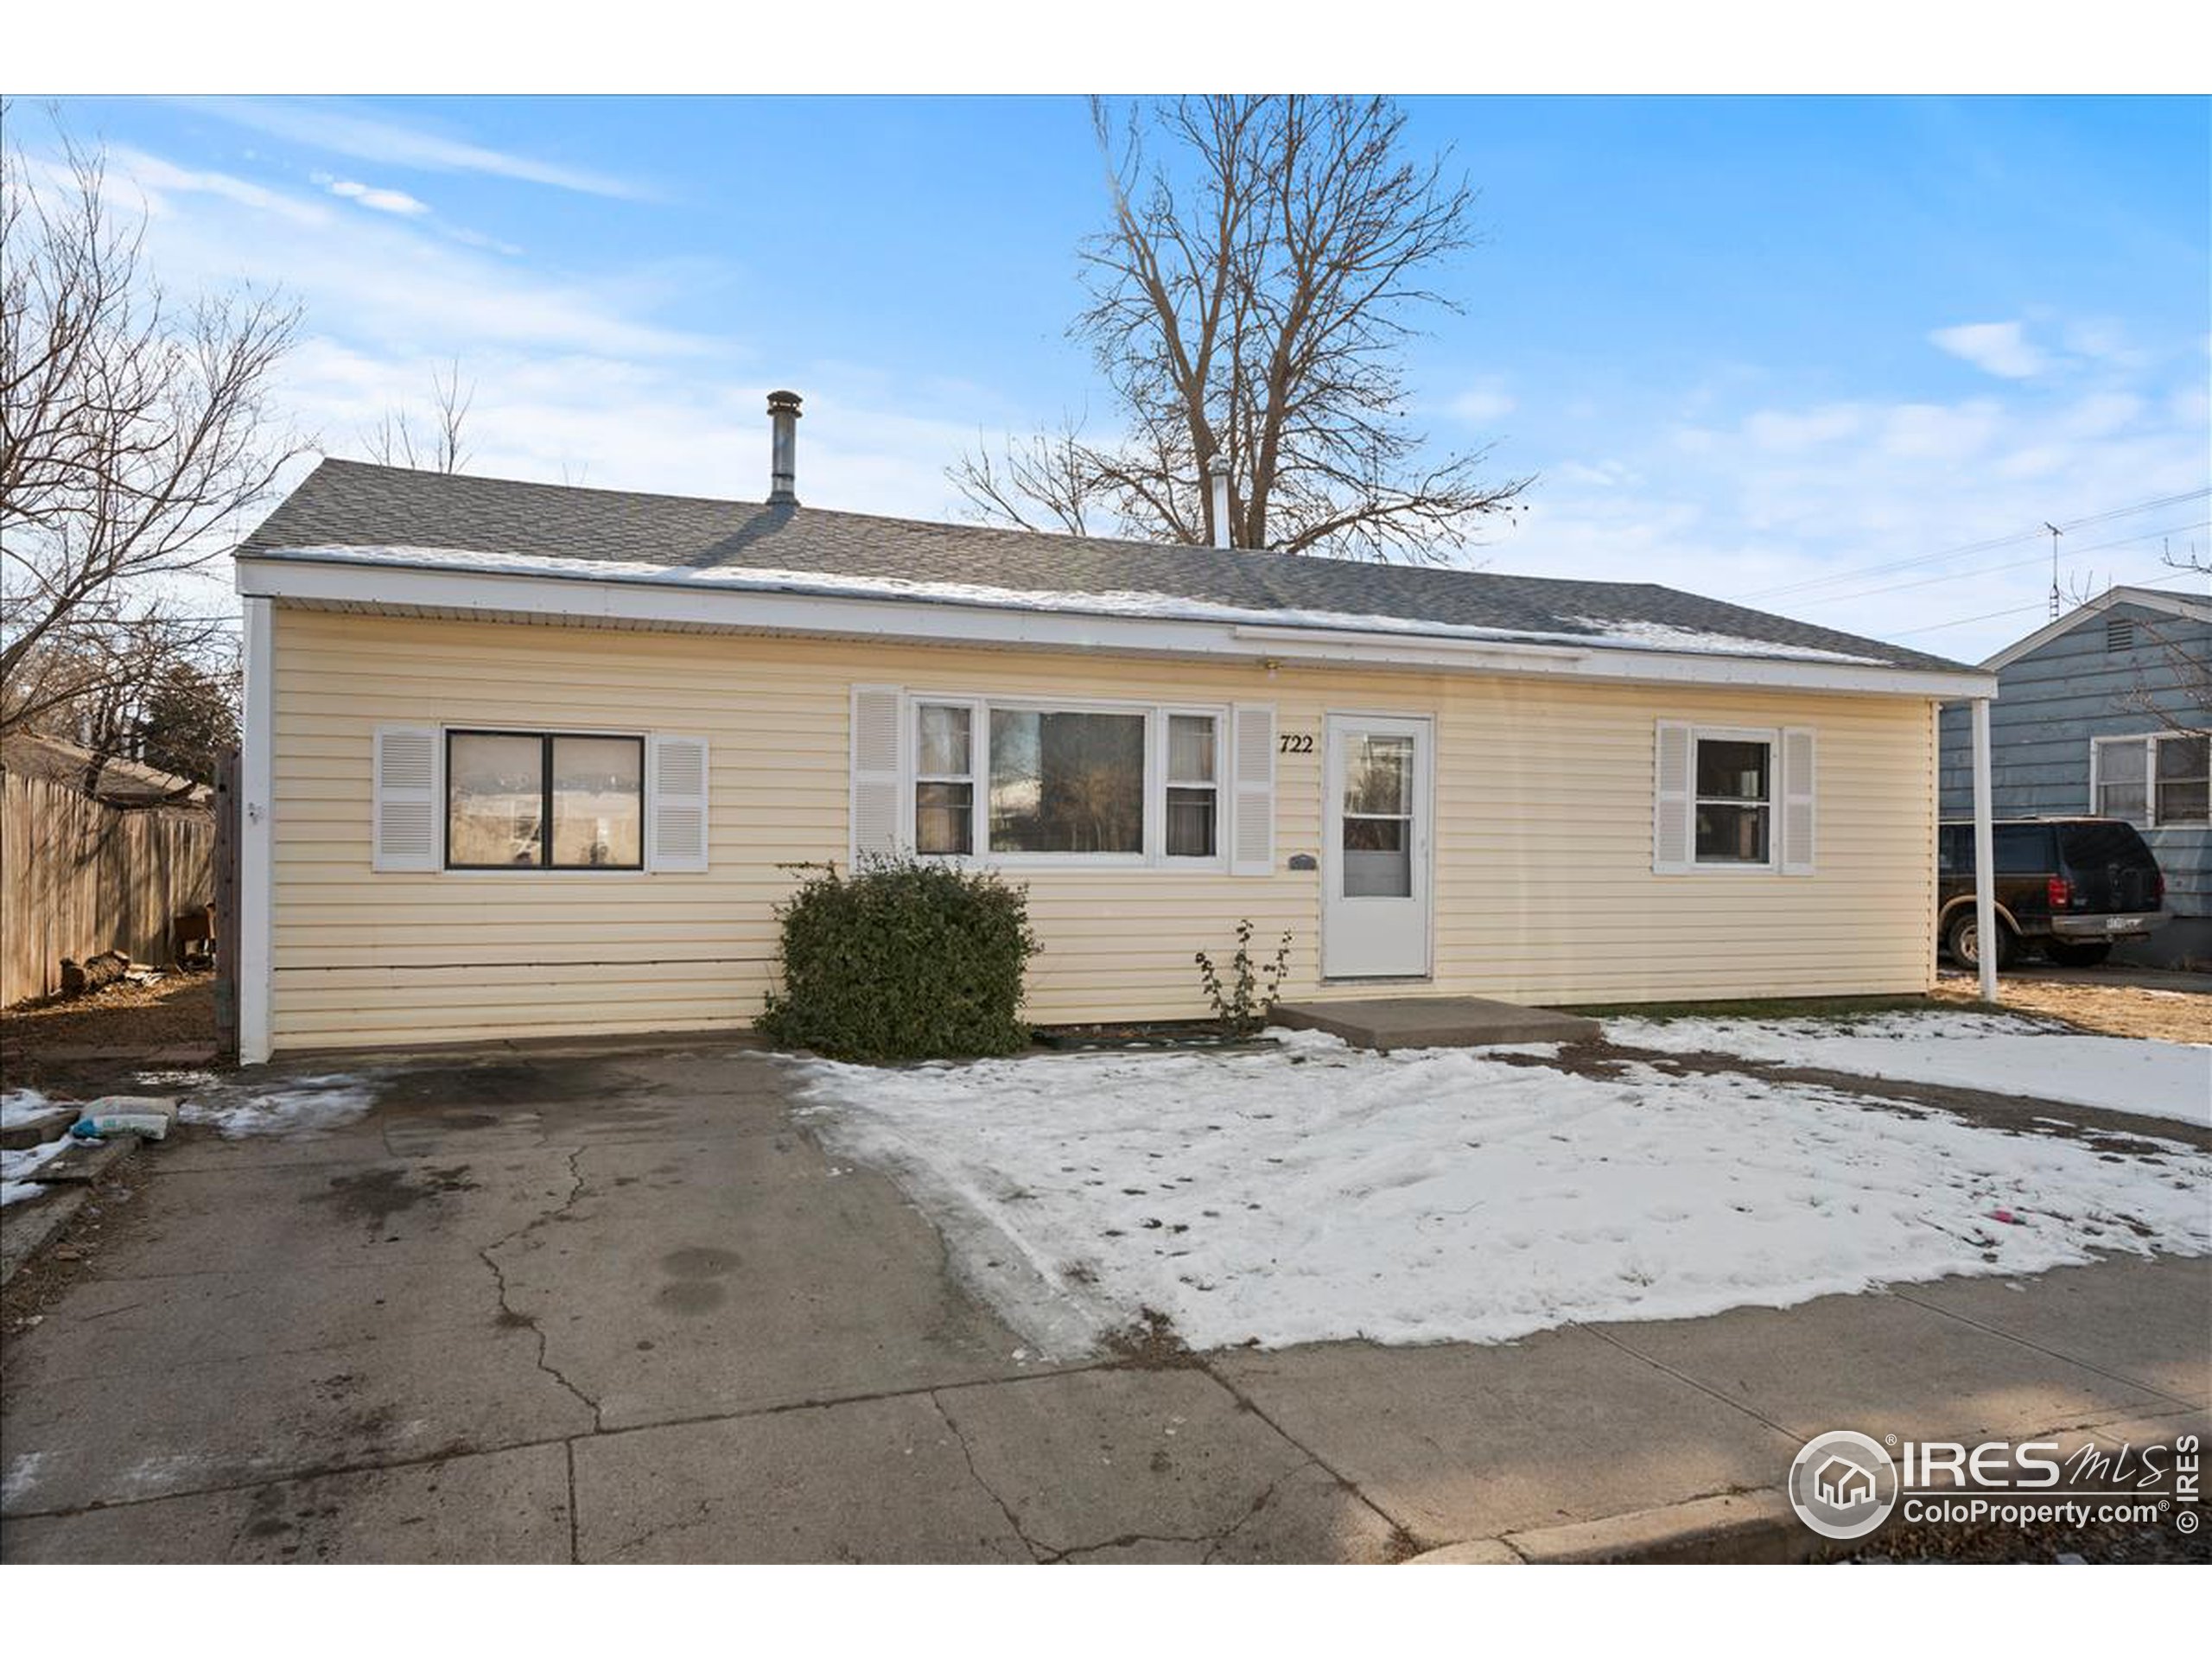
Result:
[[1217, 469], [783, 449]]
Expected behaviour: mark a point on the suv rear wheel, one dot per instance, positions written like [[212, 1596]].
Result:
[[2079, 956], [1962, 939]]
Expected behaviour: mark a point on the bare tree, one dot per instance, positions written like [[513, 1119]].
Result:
[[134, 436], [439, 445], [1268, 261]]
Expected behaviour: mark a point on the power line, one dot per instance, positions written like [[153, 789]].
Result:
[[2014, 564], [2017, 610], [1989, 546]]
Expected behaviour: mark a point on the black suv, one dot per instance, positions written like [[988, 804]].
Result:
[[2071, 885]]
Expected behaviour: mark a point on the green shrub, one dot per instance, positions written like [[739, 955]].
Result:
[[902, 960]]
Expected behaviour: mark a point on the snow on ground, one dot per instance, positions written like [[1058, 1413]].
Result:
[[22, 1106], [1316, 1192], [2000, 1053], [16, 1168], [301, 1105]]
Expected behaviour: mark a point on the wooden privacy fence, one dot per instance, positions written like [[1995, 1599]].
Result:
[[78, 877]]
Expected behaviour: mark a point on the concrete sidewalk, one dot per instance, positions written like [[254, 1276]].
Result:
[[615, 1307]]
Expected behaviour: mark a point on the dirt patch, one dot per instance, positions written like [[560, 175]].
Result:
[[175, 1012], [1150, 1342], [2109, 1010]]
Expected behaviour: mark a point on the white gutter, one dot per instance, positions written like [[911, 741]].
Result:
[[684, 602]]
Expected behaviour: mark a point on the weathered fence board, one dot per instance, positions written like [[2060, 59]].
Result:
[[78, 877]]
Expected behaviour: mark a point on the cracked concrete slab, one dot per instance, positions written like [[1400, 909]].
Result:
[[1880, 1364], [870, 1480], [2149, 1321], [742, 1274], [165, 1429], [506, 1506], [1458, 1442], [1133, 1463]]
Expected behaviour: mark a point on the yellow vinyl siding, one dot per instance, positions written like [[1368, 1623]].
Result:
[[1543, 884]]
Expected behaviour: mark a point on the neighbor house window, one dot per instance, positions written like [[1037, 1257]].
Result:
[[2158, 778], [1019, 781], [544, 800], [1735, 804]]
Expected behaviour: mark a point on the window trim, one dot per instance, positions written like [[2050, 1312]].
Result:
[[546, 737], [1155, 856], [1770, 736], [2149, 742]]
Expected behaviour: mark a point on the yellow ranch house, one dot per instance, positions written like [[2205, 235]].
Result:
[[534, 761]]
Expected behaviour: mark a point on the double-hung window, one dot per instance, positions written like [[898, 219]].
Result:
[[2153, 778], [544, 800], [1029, 781], [1734, 802]]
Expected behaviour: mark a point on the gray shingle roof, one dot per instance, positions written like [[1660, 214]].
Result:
[[345, 503]]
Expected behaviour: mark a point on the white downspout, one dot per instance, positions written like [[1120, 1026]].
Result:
[[1985, 857], [255, 777]]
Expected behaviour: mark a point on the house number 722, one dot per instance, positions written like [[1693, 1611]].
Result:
[[1295, 742]]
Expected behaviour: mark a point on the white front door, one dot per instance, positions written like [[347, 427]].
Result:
[[1375, 847]]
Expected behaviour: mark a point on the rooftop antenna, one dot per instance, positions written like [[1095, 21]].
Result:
[[2056, 532]]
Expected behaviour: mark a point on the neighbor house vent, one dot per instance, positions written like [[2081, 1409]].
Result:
[[2119, 633]]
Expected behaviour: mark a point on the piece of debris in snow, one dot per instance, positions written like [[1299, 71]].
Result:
[[148, 1116]]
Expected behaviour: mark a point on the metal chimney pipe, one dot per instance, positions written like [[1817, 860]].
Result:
[[783, 449], [1217, 469]]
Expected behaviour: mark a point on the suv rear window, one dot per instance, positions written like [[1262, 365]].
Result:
[[2096, 845], [2024, 849]]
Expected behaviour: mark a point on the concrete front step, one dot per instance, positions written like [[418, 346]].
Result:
[[1389, 1022]]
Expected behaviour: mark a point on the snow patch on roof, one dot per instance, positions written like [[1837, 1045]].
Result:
[[1135, 603]]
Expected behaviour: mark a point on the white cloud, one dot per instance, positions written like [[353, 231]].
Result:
[[1788, 432], [1999, 348], [157, 182], [370, 140], [1806, 498], [1482, 404], [377, 197]]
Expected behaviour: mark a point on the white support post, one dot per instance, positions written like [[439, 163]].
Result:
[[1985, 856], [256, 806]]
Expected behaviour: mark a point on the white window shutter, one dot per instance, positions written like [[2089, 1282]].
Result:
[[1670, 799], [879, 771], [1797, 786], [1252, 770], [404, 798], [676, 820]]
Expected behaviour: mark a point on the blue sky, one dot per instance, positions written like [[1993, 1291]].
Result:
[[1751, 346]]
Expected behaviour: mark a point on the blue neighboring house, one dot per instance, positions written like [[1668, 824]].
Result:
[[2106, 711]]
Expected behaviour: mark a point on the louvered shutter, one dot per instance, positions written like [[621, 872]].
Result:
[[676, 803], [1670, 800], [878, 775], [1252, 767], [1797, 787], [404, 798]]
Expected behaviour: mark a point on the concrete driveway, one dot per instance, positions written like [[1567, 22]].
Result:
[[613, 1306]]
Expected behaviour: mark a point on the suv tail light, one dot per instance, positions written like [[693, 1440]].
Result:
[[2157, 886], [2061, 896]]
